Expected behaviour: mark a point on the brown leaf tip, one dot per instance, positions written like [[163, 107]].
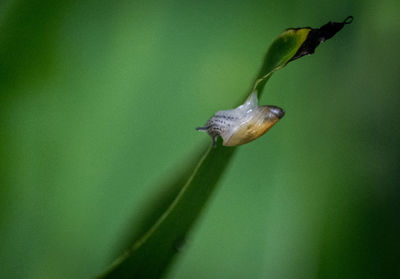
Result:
[[319, 35]]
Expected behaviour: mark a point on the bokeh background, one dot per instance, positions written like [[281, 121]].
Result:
[[98, 104]]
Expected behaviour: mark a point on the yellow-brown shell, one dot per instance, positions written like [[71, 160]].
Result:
[[255, 127]]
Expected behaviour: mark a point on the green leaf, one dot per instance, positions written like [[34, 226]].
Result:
[[153, 252]]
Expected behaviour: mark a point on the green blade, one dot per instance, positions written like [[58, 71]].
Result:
[[152, 254]]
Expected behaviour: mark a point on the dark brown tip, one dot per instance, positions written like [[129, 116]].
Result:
[[348, 20], [279, 112]]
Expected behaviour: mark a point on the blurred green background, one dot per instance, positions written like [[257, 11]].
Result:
[[98, 104]]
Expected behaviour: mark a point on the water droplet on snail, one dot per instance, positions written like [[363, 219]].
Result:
[[243, 124]]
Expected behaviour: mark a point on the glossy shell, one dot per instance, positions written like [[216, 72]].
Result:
[[244, 123]]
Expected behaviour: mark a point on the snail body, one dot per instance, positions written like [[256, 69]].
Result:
[[243, 124]]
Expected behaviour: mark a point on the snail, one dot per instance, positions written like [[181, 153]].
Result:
[[243, 124]]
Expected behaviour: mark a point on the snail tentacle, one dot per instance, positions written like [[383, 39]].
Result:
[[205, 128]]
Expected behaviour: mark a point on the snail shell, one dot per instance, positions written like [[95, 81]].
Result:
[[242, 124]]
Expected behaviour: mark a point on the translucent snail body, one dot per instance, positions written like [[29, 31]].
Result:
[[242, 124]]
